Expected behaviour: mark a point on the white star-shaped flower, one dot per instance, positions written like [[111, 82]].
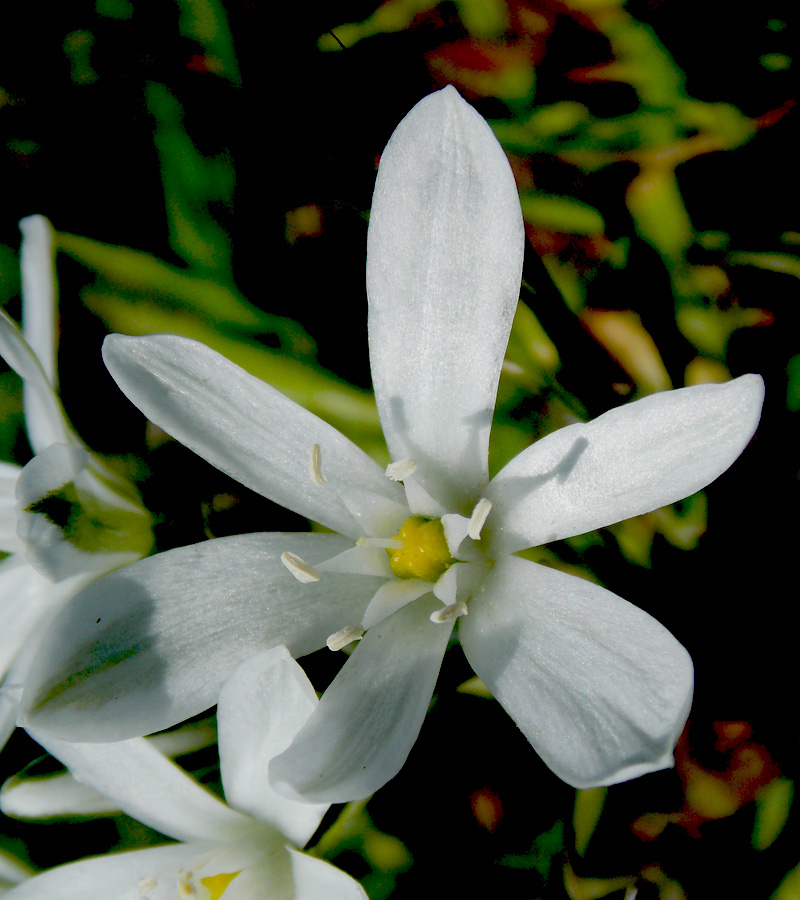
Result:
[[245, 849], [65, 518], [600, 689]]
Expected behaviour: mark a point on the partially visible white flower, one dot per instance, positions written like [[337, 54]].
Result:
[[599, 688], [12, 872], [246, 849], [65, 519]]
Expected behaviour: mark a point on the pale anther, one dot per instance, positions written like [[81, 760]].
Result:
[[448, 613], [401, 469], [478, 518], [315, 466], [301, 570], [345, 636], [147, 884]]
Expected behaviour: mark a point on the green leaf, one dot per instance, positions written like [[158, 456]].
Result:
[[772, 811]]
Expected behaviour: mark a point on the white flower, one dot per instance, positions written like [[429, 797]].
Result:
[[245, 850], [599, 688], [65, 519]]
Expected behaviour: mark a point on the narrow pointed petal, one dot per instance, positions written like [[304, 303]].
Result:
[[45, 420], [627, 462], [151, 644], [40, 327], [314, 879], [39, 293], [149, 787], [52, 797], [599, 688], [367, 721], [261, 708], [444, 260], [253, 432]]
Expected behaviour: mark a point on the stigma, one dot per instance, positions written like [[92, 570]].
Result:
[[424, 553]]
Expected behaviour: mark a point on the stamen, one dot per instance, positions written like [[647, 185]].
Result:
[[301, 570], [345, 636], [147, 884], [448, 613], [478, 518], [185, 886], [382, 543], [315, 466], [400, 470]]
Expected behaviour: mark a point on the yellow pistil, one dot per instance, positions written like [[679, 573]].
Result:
[[217, 884], [424, 553]]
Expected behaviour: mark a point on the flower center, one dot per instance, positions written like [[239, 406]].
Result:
[[424, 553]]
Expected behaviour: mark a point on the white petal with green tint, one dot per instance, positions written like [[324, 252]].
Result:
[[444, 259], [599, 688], [254, 433], [629, 461], [70, 522], [261, 708], [367, 721], [152, 644]]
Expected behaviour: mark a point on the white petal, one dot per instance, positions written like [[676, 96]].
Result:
[[263, 865], [149, 787], [361, 560], [112, 877], [261, 708], [44, 418], [52, 796], [367, 721], [444, 260], [456, 529], [27, 601], [152, 644], [598, 687], [60, 516], [253, 432], [629, 461], [9, 542], [39, 322], [447, 585], [39, 300], [391, 596], [315, 879], [12, 871]]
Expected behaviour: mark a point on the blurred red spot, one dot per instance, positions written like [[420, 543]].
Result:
[[487, 808]]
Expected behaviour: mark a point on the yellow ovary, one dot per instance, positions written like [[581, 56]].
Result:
[[424, 553]]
